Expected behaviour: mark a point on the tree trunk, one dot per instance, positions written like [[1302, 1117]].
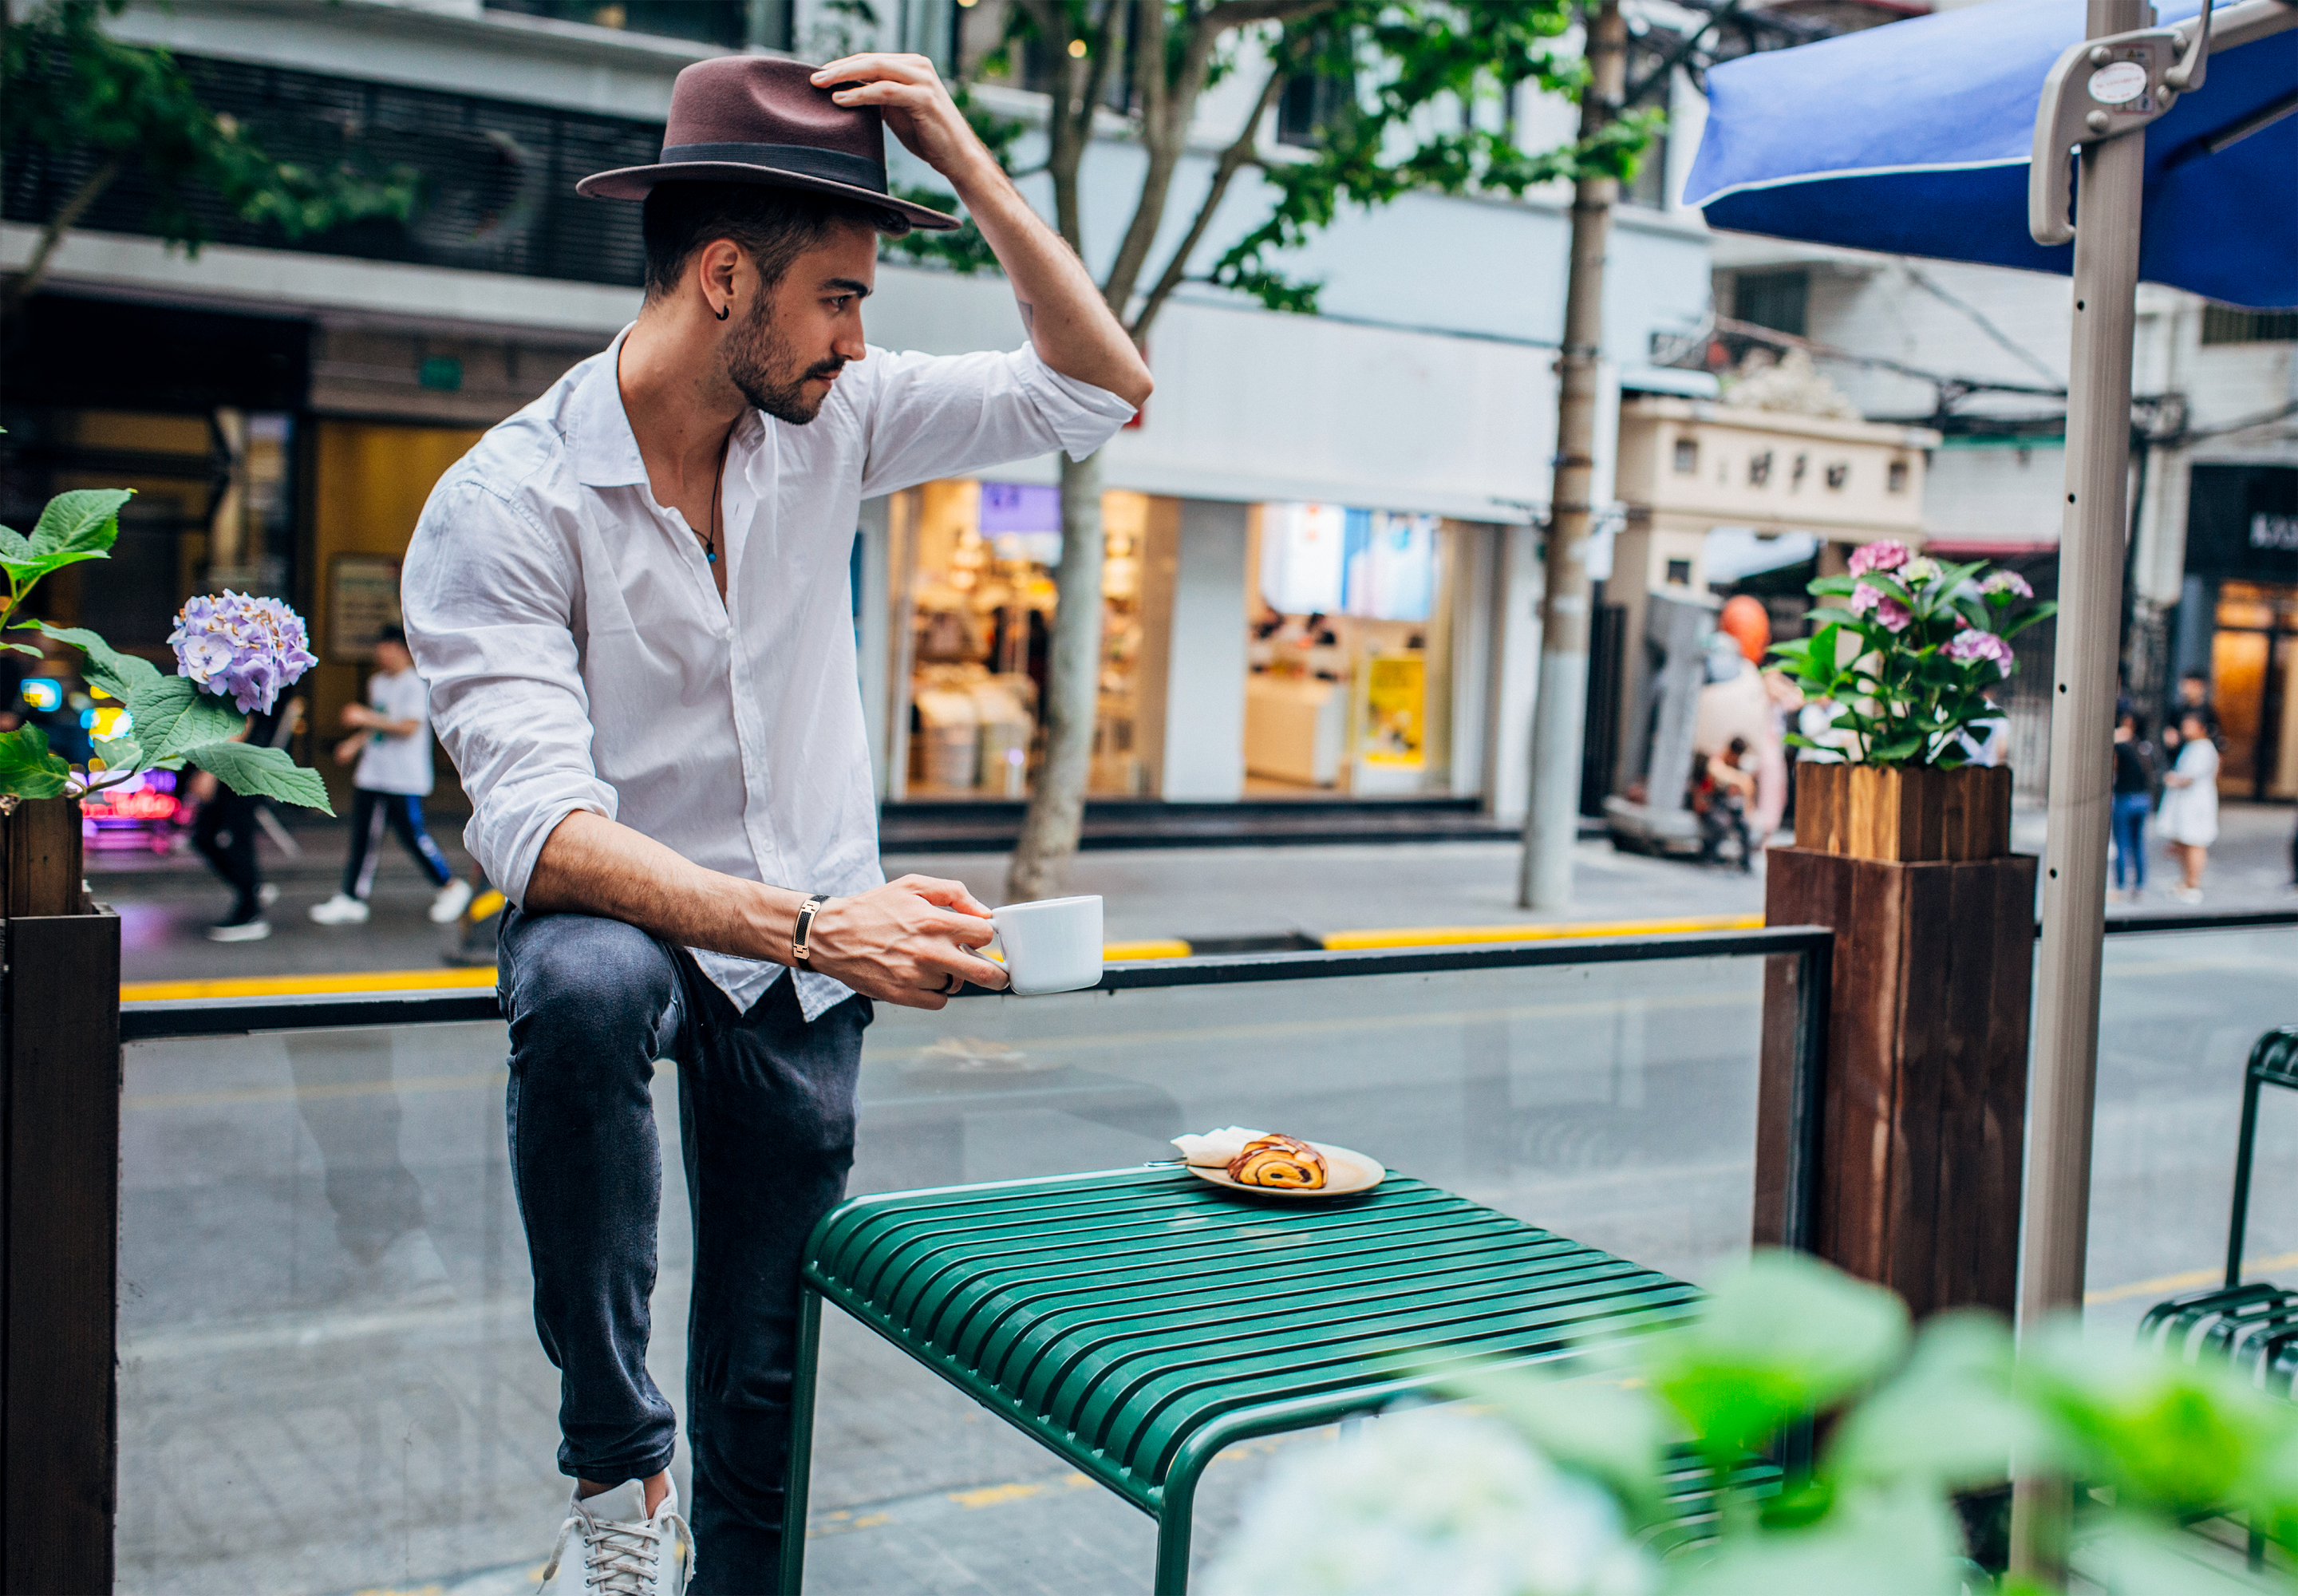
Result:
[[1049, 833], [1552, 825], [65, 220]]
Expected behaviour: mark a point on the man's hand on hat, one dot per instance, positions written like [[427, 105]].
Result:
[[908, 93]]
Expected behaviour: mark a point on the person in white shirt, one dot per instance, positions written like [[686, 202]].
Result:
[[392, 743], [2189, 818], [630, 600]]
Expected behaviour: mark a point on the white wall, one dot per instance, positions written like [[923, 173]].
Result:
[[1995, 494], [1204, 691]]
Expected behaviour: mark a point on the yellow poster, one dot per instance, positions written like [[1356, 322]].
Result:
[[1396, 707]]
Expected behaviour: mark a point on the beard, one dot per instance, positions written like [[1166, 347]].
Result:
[[761, 363]]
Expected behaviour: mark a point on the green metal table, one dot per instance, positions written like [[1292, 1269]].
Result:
[[1136, 1321]]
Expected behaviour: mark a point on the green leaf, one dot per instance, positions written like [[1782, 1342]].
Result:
[[1611, 1435], [84, 523], [24, 649], [262, 772], [1900, 1544], [26, 768], [172, 716], [118, 753], [1950, 1419], [1834, 587], [14, 545], [119, 674], [1785, 1336], [1895, 751]]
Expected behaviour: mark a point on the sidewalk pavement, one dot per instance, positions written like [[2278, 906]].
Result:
[[1202, 895]]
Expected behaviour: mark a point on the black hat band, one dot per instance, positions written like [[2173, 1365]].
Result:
[[802, 161]]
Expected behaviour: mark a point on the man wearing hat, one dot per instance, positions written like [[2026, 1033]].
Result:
[[630, 602]]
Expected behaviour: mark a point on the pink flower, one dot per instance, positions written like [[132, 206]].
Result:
[[2007, 581], [1886, 556], [1980, 645], [1889, 613]]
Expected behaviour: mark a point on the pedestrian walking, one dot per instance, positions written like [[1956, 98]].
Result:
[[630, 602], [224, 832], [2189, 820], [393, 746], [2135, 777]]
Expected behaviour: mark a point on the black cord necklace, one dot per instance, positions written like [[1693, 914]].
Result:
[[717, 490]]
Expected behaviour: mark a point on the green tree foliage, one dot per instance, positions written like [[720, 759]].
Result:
[[67, 85], [1424, 96]]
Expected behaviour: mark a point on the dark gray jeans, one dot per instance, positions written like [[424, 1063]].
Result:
[[766, 1119]]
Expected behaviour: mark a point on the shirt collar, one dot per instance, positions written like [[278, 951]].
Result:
[[599, 434]]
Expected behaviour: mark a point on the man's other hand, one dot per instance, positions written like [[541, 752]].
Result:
[[902, 942], [908, 93]]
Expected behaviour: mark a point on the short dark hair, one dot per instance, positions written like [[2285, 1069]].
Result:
[[774, 225], [389, 633]]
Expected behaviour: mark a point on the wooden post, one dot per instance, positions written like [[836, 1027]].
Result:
[[59, 1214], [1923, 1107]]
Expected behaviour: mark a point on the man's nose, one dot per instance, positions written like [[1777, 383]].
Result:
[[848, 345]]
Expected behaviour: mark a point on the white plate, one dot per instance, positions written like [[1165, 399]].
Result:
[[1347, 1173]]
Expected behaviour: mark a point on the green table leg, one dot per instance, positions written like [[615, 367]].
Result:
[[1177, 1505], [801, 1442]]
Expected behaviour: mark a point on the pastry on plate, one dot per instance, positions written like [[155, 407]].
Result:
[[1280, 1161]]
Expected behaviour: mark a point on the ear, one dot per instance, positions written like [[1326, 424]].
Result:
[[718, 270]]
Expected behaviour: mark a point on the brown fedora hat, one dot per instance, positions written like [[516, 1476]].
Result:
[[757, 118]]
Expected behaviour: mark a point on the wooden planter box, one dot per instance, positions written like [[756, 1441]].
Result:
[[1876, 811], [59, 1208], [1924, 1104]]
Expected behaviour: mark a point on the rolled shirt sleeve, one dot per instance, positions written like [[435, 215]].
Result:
[[489, 619], [930, 415]]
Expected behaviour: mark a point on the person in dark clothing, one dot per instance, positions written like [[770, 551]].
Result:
[[225, 833], [2134, 778]]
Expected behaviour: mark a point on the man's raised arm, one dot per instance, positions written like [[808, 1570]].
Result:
[[1067, 320]]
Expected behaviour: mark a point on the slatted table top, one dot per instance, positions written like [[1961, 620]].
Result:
[[1119, 1315]]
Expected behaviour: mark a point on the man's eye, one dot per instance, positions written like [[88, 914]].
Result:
[[840, 302]]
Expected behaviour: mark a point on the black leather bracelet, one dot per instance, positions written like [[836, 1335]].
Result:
[[800, 952]]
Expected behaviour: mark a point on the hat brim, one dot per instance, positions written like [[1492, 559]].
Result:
[[633, 182]]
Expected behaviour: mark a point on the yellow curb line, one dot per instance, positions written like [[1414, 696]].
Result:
[[2251, 1267], [1442, 936]]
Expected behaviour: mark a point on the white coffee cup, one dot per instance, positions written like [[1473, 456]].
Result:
[[1051, 946]]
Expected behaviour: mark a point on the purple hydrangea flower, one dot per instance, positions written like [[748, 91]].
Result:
[[1888, 555], [240, 646], [1889, 613], [2007, 581], [1980, 645]]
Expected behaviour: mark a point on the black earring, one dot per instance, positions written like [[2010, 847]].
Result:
[[723, 308]]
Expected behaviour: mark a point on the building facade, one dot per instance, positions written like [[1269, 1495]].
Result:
[[1323, 573]]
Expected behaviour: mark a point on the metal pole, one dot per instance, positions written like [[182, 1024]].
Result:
[[1551, 824], [2094, 523]]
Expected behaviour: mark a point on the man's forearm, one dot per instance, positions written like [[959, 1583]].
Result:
[[593, 865], [1067, 320]]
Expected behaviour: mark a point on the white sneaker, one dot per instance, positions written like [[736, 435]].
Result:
[[240, 930], [340, 910], [2187, 895], [453, 898], [609, 1547]]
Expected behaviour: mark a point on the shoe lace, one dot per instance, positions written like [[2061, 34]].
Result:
[[620, 1559]]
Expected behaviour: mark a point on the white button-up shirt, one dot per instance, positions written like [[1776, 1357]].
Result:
[[579, 655]]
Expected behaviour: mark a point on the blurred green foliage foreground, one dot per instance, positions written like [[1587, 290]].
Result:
[[1535, 1486]]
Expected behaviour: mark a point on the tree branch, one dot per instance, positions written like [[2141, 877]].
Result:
[[1243, 151], [64, 220]]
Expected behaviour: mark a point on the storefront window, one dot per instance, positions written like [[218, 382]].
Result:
[[2255, 687], [1346, 690], [980, 557]]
